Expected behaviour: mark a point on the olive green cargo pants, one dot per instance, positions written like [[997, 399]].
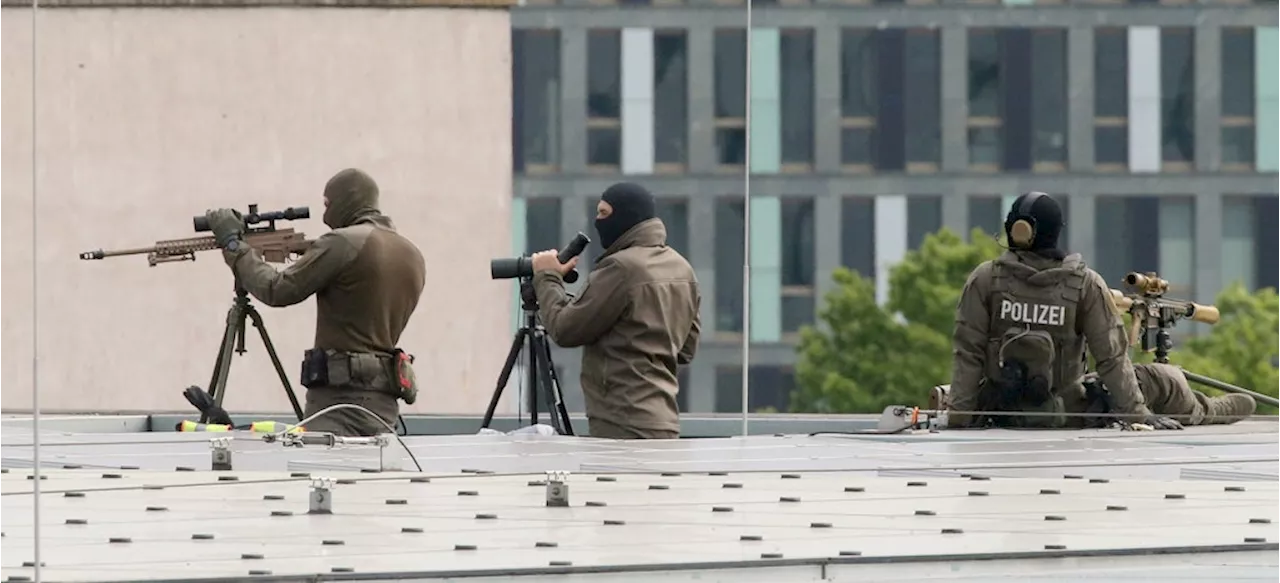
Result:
[[1168, 393], [349, 422], [607, 430]]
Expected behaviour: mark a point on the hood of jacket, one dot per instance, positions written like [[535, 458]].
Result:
[[648, 233], [1038, 270]]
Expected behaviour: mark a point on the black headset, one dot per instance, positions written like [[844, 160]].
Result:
[[1022, 227]]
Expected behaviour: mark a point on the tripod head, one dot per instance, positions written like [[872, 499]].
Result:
[[528, 297], [1153, 314]]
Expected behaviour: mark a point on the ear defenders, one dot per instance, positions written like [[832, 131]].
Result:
[[1022, 227]]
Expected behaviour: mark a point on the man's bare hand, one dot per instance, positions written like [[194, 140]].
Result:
[[549, 260]]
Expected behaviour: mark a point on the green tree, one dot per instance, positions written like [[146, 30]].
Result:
[[865, 356]]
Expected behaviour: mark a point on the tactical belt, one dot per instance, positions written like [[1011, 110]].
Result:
[[347, 370]]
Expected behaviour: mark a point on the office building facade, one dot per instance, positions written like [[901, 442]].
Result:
[[873, 124]]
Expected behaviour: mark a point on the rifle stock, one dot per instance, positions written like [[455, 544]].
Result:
[[275, 245]]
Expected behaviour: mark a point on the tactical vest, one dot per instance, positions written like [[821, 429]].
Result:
[[1034, 352]]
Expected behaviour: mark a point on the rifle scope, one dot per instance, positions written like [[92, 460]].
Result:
[[254, 217], [1148, 284]]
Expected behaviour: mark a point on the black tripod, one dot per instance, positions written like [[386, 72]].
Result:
[[542, 371], [233, 339], [1163, 343]]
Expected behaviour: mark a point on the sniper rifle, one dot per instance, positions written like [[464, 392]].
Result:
[[275, 245], [1153, 314]]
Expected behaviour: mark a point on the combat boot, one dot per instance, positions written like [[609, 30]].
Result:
[[1227, 409]]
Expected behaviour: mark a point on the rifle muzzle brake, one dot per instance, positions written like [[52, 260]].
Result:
[[88, 255]]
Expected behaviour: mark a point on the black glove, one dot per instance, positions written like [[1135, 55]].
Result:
[[1160, 422], [227, 225]]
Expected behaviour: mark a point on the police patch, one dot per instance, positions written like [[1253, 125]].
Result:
[[1033, 313]]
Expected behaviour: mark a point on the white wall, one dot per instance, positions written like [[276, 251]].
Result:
[[149, 116]]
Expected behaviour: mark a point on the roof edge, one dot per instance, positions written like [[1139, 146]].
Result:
[[53, 4]]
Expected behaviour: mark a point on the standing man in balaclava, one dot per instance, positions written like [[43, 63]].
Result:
[[636, 318], [367, 280], [1023, 324]]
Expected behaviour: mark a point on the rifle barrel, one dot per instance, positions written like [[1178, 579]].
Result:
[[101, 254]]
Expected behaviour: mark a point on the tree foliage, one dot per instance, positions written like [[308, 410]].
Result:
[[866, 357], [863, 357]]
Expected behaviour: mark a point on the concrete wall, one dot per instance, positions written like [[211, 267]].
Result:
[[148, 116]]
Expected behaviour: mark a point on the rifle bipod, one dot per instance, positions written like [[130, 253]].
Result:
[[233, 340]]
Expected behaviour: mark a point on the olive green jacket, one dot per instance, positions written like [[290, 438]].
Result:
[[366, 278], [637, 320], [1090, 320]]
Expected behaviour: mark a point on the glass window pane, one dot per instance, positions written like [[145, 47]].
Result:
[[858, 234], [1266, 208], [1238, 242], [536, 104], [731, 73], [1111, 72], [542, 224], [796, 48], [1177, 94], [670, 97], [857, 146], [984, 73], [984, 147], [1111, 145], [604, 147], [857, 73], [730, 231], [798, 312], [731, 146], [1128, 229], [1237, 72], [604, 84], [797, 242], [771, 387], [1049, 92], [923, 97], [729, 389], [1238, 146], [675, 217], [924, 216], [987, 213]]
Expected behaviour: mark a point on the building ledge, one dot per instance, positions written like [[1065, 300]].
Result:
[[504, 4]]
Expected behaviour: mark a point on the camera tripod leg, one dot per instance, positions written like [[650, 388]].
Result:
[[555, 396], [505, 376], [1230, 388], [275, 358], [222, 366]]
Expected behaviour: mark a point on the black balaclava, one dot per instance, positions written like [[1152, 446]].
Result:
[[1048, 222], [352, 194], [632, 205]]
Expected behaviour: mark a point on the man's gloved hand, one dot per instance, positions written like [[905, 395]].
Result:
[[1158, 422], [226, 224]]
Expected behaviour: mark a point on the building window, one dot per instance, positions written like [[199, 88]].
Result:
[[604, 100], [796, 64], [542, 224], [770, 387], [798, 256], [1048, 101], [682, 395], [1177, 98], [535, 83], [670, 101], [858, 100], [890, 120], [984, 100], [987, 212], [858, 235], [1128, 236], [674, 213], [924, 217], [1237, 99], [1017, 99], [1249, 252], [730, 232], [731, 98], [922, 100], [1111, 99]]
